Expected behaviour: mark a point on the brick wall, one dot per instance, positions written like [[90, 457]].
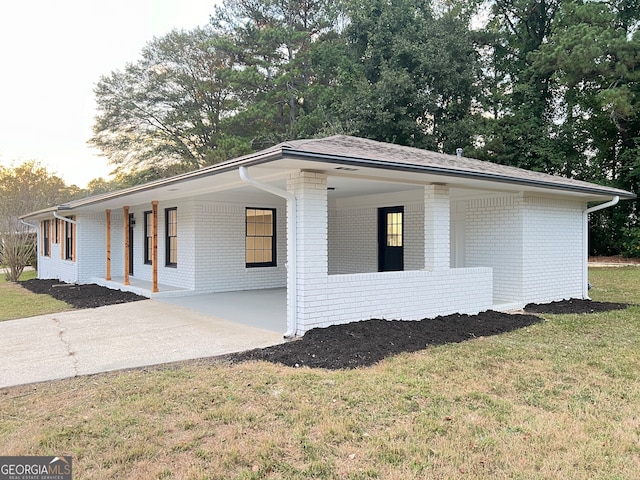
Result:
[[57, 268], [533, 244], [494, 238], [325, 299], [437, 219], [553, 250], [220, 246], [54, 266], [310, 189], [409, 295], [181, 275]]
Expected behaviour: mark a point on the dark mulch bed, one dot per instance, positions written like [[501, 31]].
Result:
[[351, 345], [80, 296], [574, 306], [366, 343]]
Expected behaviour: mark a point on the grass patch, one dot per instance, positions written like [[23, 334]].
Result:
[[17, 302], [559, 399], [615, 284]]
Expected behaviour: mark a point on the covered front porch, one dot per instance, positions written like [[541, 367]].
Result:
[[344, 271], [264, 308]]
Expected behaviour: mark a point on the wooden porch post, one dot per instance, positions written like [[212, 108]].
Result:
[[154, 246], [61, 238], [126, 245], [74, 234], [108, 275]]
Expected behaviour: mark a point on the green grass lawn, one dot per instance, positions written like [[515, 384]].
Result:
[[17, 302], [615, 284], [559, 399]]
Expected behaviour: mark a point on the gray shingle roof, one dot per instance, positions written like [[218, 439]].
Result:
[[354, 150], [346, 150]]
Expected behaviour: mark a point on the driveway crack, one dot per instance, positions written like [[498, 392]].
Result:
[[61, 335]]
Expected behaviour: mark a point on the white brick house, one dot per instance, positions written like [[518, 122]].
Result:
[[352, 228]]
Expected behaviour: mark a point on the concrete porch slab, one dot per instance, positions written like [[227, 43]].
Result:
[[141, 287], [265, 308]]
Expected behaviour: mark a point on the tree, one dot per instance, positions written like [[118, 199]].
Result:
[[24, 189], [170, 106], [597, 89], [560, 95], [274, 44], [128, 179], [413, 74], [518, 100]]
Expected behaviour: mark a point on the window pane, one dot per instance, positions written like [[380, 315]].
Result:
[[171, 237], [259, 242], [394, 229]]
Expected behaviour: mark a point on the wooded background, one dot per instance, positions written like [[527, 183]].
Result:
[[546, 85]]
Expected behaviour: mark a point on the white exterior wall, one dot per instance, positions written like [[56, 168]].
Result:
[[211, 247], [91, 251], [220, 243], [325, 299], [534, 246], [117, 243], [180, 276], [353, 231], [494, 238], [437, 218], [53, 266], [553, 249], [409, 295]]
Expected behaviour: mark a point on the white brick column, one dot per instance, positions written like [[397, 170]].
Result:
[[310, 189], [437, 249]]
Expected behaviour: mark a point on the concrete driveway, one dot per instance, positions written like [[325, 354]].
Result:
[[136, 334]]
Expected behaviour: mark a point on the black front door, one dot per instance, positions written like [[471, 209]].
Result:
[[131, 242], [390, 239]]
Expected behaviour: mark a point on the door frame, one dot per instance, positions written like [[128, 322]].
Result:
[[383, 240]]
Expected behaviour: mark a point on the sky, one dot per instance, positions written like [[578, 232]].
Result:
[[53, 52]]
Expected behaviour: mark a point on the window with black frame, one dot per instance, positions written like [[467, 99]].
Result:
[[46, 238], [148, 237], [171, 237], [260, 241], [69, 239]]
